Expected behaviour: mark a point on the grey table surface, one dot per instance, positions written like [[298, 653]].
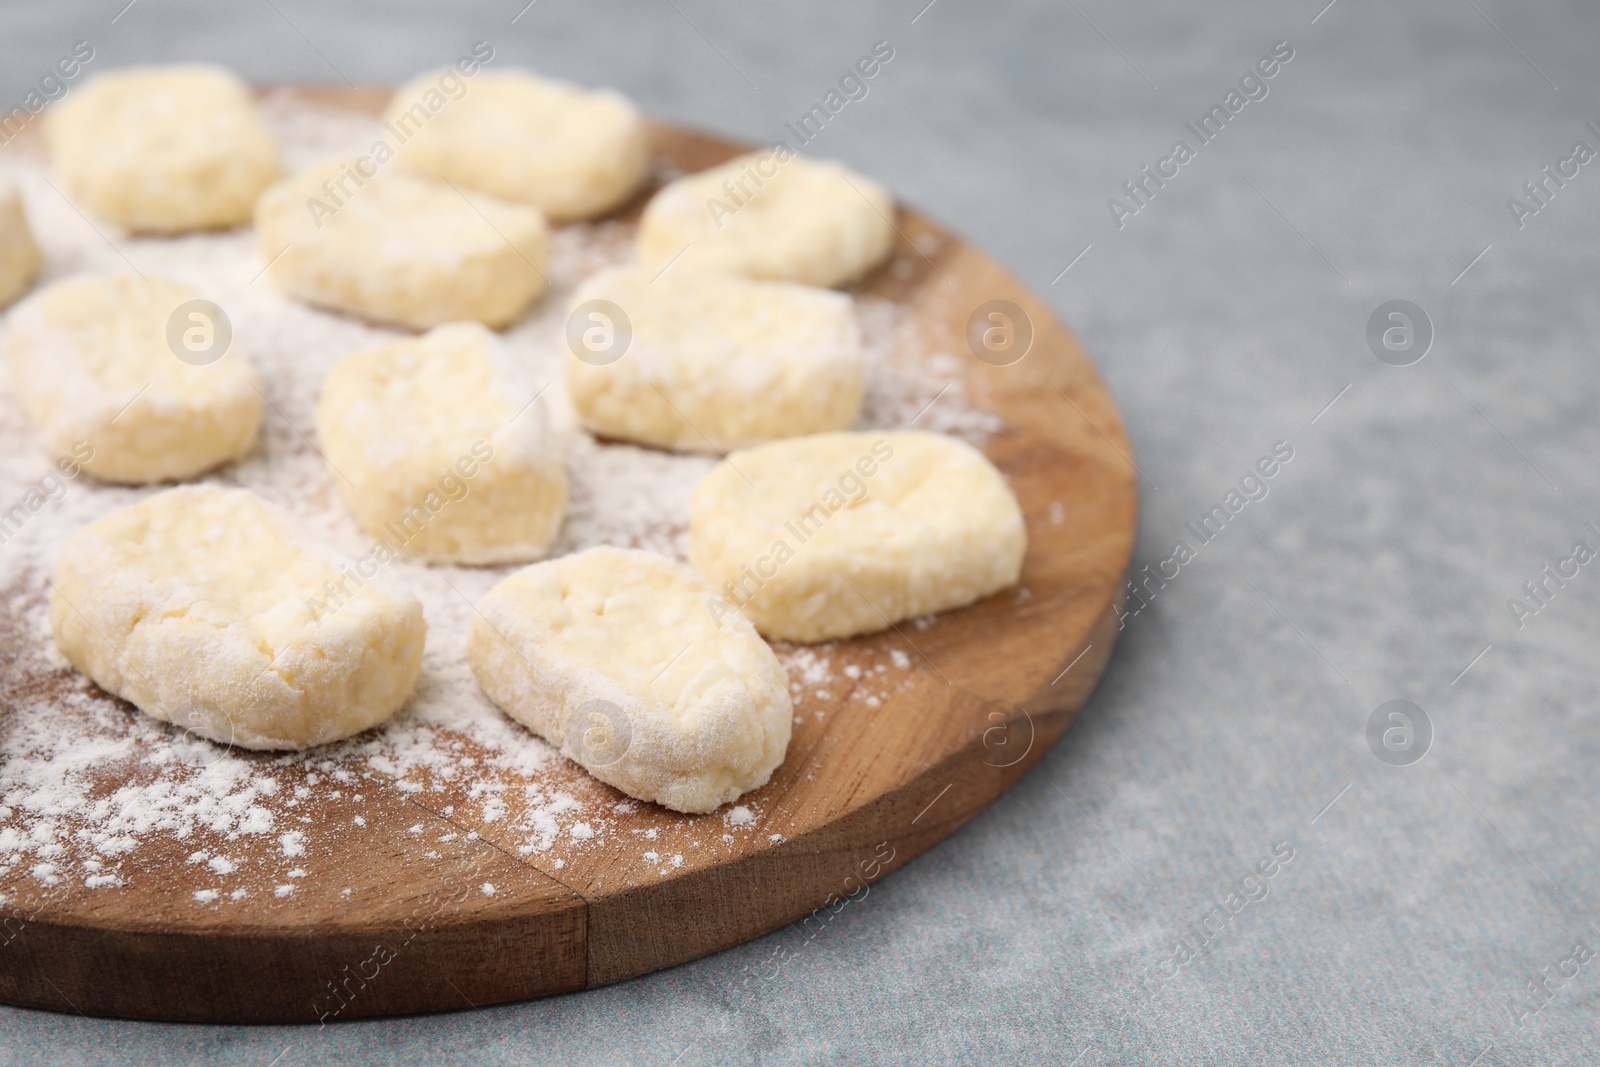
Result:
[[1227, 314]]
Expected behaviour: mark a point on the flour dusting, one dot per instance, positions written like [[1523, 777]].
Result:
[[86, 781]]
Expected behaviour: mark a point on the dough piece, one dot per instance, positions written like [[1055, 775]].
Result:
[[849, 533], [19, 254], [715, 361], [92, 361], [448, 458], [612, 655], [205, 608], [401, 249], [164, 149], [573, 154], [771, 215]]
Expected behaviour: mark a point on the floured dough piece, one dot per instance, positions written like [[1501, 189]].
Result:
[[612, 655], [164, 149], [401, 249], [714, 361], [94, 362], [206, 609], [446, 450], [848, 533], [574, 154], [19, 253], [771, 215]]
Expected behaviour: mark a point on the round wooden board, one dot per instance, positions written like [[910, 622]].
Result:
[[864, 789]]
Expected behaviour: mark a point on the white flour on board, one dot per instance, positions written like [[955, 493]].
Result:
[[85, 780]]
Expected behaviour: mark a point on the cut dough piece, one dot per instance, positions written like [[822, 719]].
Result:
[[849, 533], [94, 362], [205, 608], [19, 253], [446, 448], [613, 656], [573, 154], [714, 361], [771, 215], [164, 149], [401, 249]]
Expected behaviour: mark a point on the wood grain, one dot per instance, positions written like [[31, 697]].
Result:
[[864, 788]]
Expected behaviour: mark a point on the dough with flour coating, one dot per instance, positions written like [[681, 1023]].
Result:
[[716, 361], [445, 447], [572, 153], [401, 249], [165, 149], [19, 253], [92, 361], [205, 608], [611, 655], [823, 537], [770, 215]]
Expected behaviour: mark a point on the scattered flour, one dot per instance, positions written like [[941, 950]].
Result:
[[85, 780]]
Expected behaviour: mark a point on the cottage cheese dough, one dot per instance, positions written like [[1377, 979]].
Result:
[[164, 149], [794, 220], [612, 655], [849, 533], [401, 249], [206, 609], [714, 361], [446, 448], [19, 253], [571, 153], [92, 361]]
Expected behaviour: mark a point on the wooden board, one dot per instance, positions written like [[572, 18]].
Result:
[[412, 926]]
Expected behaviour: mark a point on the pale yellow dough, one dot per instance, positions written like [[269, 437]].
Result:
[[715, 361], [89, 358], [401, 249], [19, 253], [164, 149], [774, 216], [612, 656], [196, 606], [573, 154], [446, 450], [823, 537]]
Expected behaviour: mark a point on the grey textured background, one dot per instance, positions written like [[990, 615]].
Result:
[[1225, 317]]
